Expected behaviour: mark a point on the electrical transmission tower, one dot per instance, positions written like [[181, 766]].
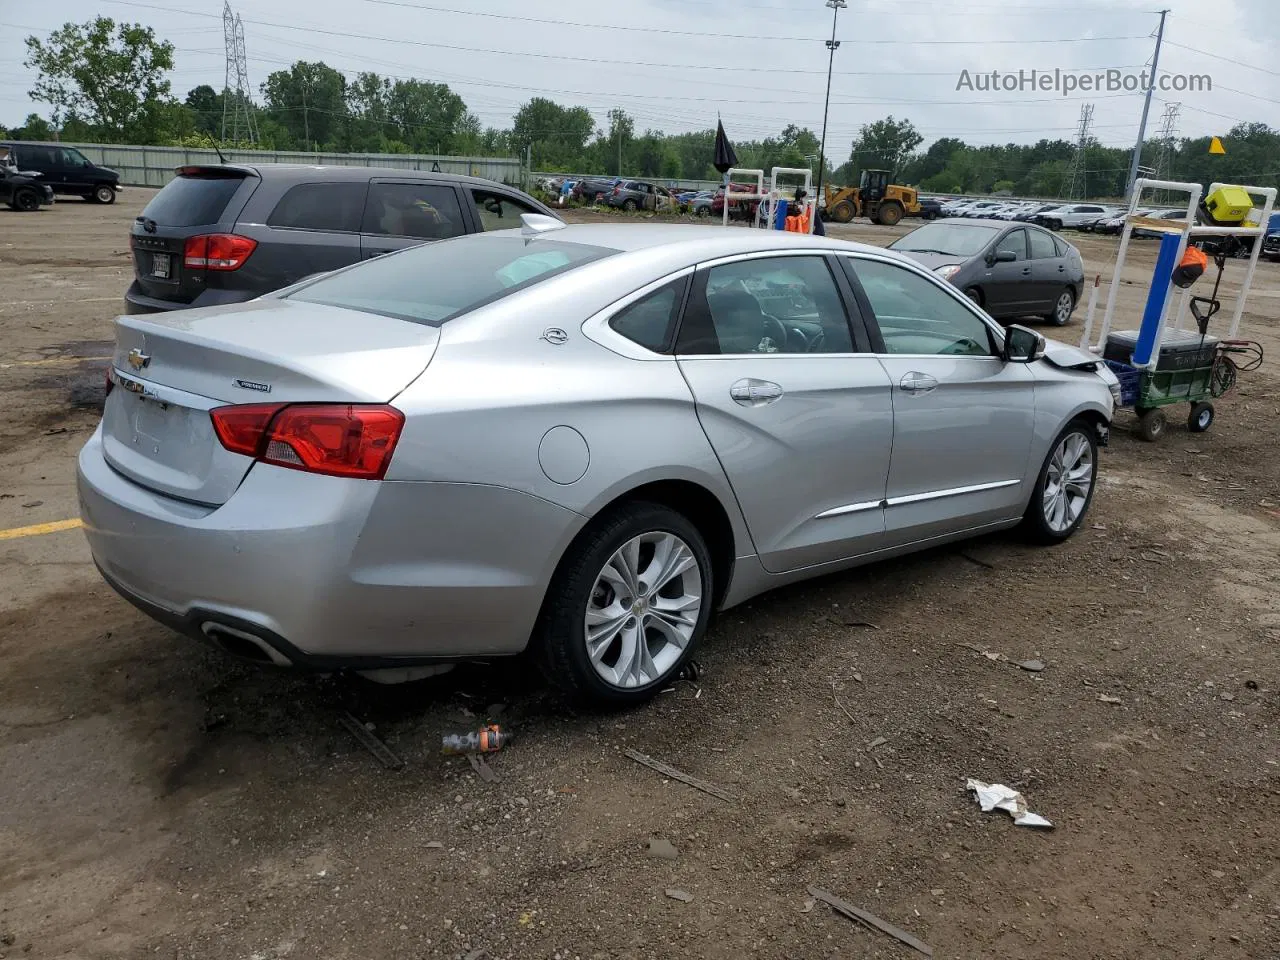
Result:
[[1078, 173], [1167, 140], [238, 120]]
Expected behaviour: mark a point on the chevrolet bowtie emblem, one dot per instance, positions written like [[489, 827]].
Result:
[[137, 359]]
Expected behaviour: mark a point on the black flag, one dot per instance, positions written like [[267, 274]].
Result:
[[725, 157]]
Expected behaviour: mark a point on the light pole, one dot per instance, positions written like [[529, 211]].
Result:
[[832, 46]]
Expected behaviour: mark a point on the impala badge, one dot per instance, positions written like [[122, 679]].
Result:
[[554, 335], [137, 359]]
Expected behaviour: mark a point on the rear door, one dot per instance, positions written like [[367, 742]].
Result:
[[797, 409], [199, 201], [963, 419], [404, 213], [1048, 271]]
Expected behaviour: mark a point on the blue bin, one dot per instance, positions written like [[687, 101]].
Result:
[[1129, 377]]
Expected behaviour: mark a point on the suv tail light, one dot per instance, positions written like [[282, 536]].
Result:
[[217, 251], [335, 439]]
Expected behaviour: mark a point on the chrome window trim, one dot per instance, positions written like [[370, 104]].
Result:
[[849, 508]]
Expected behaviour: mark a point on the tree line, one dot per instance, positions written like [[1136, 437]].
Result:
[[109, 83]]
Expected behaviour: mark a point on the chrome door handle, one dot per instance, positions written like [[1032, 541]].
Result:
[[917, 383], [1026, 271], [750, 392]]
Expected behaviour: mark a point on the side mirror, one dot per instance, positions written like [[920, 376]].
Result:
[[1002, 256], [1022, 345]]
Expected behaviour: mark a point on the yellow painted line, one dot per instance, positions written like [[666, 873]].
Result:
[[48, 360], [38, 528]]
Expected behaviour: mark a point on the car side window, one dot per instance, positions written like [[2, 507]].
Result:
[[498, 211], [1043, 246], [425, 211], [1015, 242], [787, 305], [332, 207], [651, 319], [917, 315]]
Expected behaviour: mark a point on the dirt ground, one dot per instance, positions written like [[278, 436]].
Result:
[[158, 800]]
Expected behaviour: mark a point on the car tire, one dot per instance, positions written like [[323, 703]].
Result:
[[629, 206], [1054, 225], [1062, 309], [104, 193], [1201, 417], [703, 211], [1062, 494], [25, 201], [843, 212], [591, 576], [974, 294]]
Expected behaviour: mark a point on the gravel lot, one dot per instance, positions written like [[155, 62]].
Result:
[[158, 800]]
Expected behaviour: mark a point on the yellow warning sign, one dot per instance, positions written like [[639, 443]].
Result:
[[1215, 146]]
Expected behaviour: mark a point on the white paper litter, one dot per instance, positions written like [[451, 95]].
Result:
[[996, 796]]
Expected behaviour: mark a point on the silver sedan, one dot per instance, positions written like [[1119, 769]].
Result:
[[578, 440]]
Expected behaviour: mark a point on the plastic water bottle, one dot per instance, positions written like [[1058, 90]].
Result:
[[488, 739]]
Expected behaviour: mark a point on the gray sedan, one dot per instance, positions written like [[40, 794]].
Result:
[[1017, 270], [480, 446]]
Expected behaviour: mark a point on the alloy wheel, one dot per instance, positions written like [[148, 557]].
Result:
[[643, 609], [1068, 482], [1063, 312]]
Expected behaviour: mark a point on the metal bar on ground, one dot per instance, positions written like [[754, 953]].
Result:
[[669, 771]]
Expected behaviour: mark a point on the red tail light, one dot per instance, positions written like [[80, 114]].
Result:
[[617, 189], [336, 439], [217, 251]]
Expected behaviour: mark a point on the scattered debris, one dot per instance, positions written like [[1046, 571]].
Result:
[[1251, 684], [841, 705], [996, 796], [488, 739], [978, 560], [477, 954], [1031, 666], [857, 677], [870, 920], [663, 848], [674, 774], [808, 905], [381, 752], [486, 772], [33, 503], [877, 742], [1104, 698], [691, 671], [434, 845], [682, 895]]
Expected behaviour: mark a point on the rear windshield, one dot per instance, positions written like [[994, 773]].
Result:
[[192, 201], [435, 282]]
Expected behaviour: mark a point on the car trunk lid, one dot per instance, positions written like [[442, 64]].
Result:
[[170, 370]]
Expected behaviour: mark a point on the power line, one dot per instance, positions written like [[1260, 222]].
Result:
[[1231, 60]]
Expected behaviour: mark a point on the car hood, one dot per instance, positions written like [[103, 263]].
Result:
[[931, 260], [1068, 357]]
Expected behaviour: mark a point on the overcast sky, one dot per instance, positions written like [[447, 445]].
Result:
[[760, 63]]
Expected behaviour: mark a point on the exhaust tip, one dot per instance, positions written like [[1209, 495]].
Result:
[[242, 644]]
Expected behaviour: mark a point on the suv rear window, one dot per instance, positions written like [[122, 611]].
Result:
[[192, 201], [435, 282]]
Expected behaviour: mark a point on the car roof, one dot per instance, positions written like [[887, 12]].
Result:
[[696, 243], [306, 171]]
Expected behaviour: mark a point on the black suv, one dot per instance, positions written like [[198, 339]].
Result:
[[229, 233], [65, 169]]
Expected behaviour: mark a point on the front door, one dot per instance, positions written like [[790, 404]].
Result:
[[1005, 286], [962, 418], [798, 412], [402, 213]]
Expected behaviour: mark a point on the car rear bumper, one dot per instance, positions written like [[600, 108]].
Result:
[[325, 573], [135, 301]]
